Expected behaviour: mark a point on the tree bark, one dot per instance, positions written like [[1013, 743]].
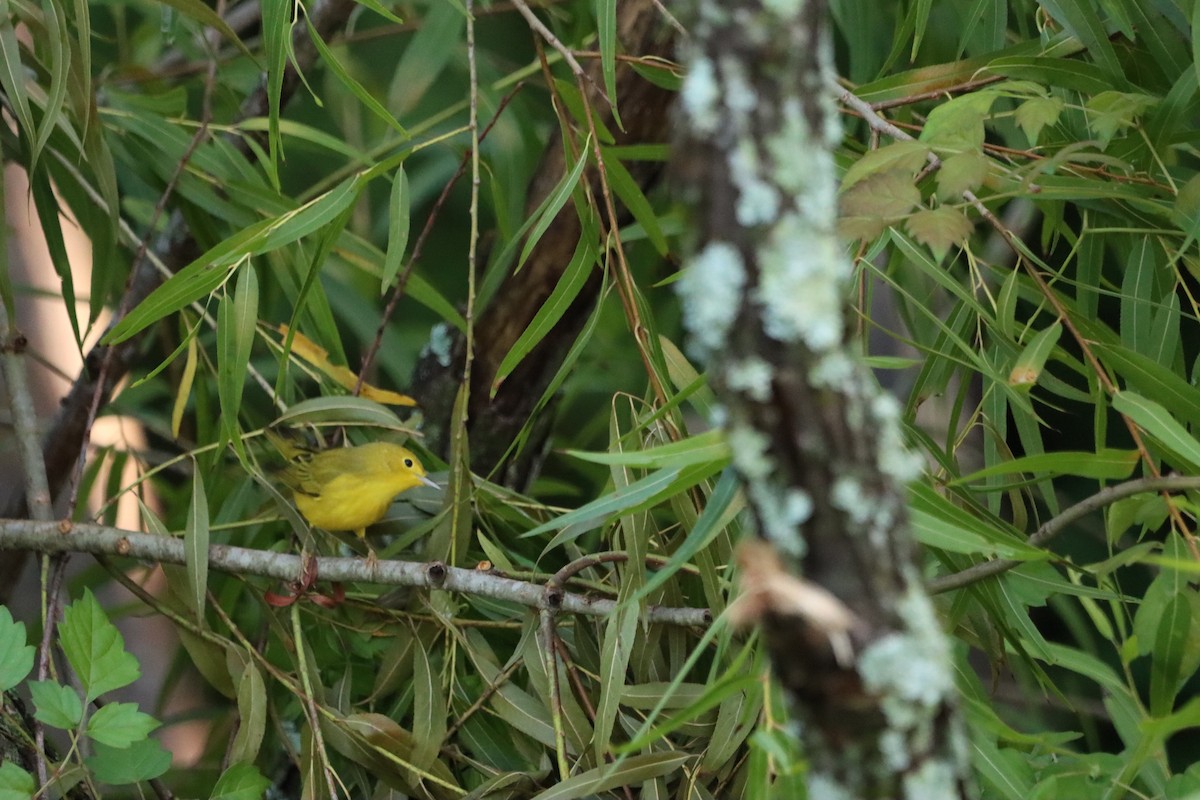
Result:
[[833, 580], [494, 422]]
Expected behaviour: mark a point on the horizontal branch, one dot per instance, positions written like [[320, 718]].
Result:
[[64, 537]]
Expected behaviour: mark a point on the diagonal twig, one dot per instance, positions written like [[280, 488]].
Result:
[[1056, 525]]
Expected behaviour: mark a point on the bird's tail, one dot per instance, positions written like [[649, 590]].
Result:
[[289, 449]]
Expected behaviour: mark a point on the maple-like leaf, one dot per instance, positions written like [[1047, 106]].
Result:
[[885, 195], [939, 229], [1037, 113], [961, 172]]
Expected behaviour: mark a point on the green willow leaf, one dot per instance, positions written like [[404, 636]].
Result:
[[237, 319], [631, 770], [277, 23], [1159, 423], [606, 27], [331, 62], [707, 446], [631, 195], [339, 410], [1171, 636], [195, 542], [1104, 465], [206, 273], [252, 715], [554, 202], [399, 218], [551, 311]]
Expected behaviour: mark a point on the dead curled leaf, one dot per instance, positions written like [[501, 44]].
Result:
[[318, 357], [767, 588]]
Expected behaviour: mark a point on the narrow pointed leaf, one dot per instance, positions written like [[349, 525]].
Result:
[[195, 540]]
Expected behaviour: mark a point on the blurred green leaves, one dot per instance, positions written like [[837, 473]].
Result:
[[1044, 346]]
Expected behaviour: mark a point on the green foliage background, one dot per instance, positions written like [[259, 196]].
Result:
[[1043, 352]]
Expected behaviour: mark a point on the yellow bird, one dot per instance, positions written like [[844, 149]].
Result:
[[348, 488]]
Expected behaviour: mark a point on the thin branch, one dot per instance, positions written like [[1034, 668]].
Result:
[[52, 610], [552, 40], [581, 695], [24, 418], [626, 286], [62, 537], [37, 493], [670, 18], [310, 704], [945, 91], [548, 636], [473, 238], [559, 579], [419, 247], [484, 696], [1053, 527]]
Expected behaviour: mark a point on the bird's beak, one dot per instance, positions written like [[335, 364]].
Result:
[[428, 482]]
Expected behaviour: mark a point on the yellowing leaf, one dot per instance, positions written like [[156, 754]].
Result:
[[903, 156], [317, 356], [961, 172], [864, 228], [1032, 360], [185, 387], [886, 195], [1037, 113], [939, 229]]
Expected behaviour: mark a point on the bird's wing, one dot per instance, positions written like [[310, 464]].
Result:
[[324, 466], [297, 473]]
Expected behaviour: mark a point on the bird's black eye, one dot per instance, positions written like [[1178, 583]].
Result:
[[408, 462]]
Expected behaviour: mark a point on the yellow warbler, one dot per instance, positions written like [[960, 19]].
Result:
[[348, 488]]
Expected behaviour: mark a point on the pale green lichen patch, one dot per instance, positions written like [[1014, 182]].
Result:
[[440, 343], [740, 95], [700, 95], [711, 288], [811, 181], [758, 200], [752, 376], [784, 8], [893, 746], [824, 787], [781, 512], [800, 285], [933, 780], [848, 495], [894, 457], [749, 448], [909, 671], [834, 370]]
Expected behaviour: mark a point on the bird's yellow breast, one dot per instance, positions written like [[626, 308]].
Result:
[[347, 503]]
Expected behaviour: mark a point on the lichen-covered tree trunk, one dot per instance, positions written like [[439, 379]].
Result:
[[834, 580]]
